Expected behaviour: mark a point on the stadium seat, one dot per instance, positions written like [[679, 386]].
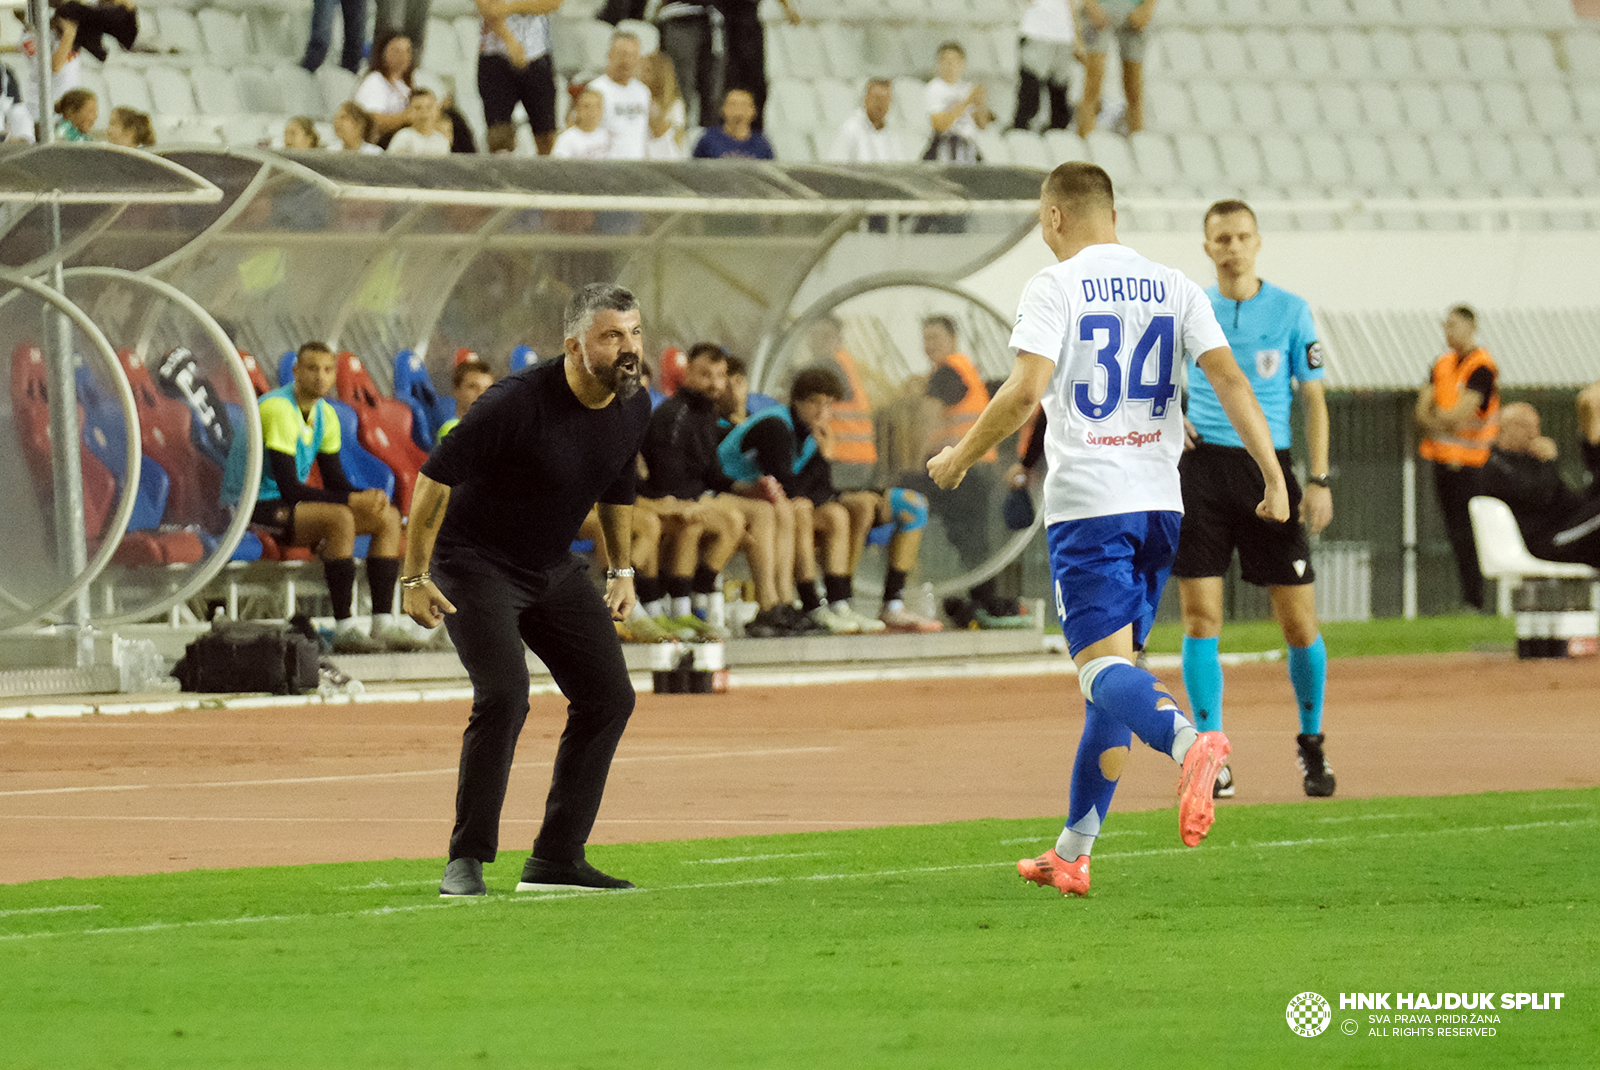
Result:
[[1111, 152], [1285, 162], [1494, 161], [260, 91], [791, 105], [364, 471], [301, 91], [1551, 105], [414, 386], [1502, 552], [334, 84], [1535, 161], [227, 37], [1424, 108], [1166, 107], [1341, 108], [1380, 105], [1065, 145], [165, 436], [1575, 157], [274, 37], [170, 93], [1179, 53], [1413, 168], [286, 368], [523, 357], [1213, 107], [126, 88], [1393, 51], [1486, 54], [444, 47], [1463, 107], [1256, 107], [837, 100], [1310, 54], [1028, 149], [1583, 53], [1268, 55], [258, 378], [1298, 106], [1350, 51], [383, 426], [1369, 163], [1453, 159], [1507, 106], [1586, 101], [180, 31], [1242, 166], [1438, 53], [215, 86], [30, 408], [1325, 157], [846, 48]]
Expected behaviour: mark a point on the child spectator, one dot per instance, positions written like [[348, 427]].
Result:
[[79, 110], [354, 129], [956, 110], [586, 139], [301, 133], [385, 93], [669, 116], [428, 134], [130, 128], [737, 137]]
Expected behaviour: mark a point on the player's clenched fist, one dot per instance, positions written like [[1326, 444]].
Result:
[[943, 469], [1275, 503]]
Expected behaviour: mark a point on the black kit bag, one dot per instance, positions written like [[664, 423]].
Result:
[[250, 656]]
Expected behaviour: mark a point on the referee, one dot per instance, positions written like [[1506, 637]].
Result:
[[1274, 339], [495, 511]]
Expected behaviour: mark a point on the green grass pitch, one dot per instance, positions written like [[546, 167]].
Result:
[[894, 947]]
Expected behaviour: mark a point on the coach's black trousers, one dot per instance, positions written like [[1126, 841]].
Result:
[[564, 621], [1456, 486]]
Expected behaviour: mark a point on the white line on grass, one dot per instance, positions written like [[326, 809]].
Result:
[[749, 858], [452, 771], [48, 910], [875, 874]]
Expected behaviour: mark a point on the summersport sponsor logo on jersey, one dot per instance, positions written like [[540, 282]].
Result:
[[1118, 288], [1132, 438]]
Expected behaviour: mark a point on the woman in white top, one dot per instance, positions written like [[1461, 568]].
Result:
[[385, 92], [669, 116]]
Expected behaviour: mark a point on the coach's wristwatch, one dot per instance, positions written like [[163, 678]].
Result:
[[1318, 481], [619, 573]]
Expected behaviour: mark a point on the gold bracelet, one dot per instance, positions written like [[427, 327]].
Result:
[[411, 583]]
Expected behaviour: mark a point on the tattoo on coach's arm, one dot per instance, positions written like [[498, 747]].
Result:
[[435, 514]]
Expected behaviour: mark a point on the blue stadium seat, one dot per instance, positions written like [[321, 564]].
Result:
[[414, 386], [522, 357]]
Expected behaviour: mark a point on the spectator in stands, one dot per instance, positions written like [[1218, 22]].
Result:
[[354, 128], [957, 109], [627, 99], [385, 93], [736, 138], [953, 397], [1045, 55], [301, 133], [409, 17], [428, 132], [130, 128], [745, 66], [355, 34], [468, 381], [299, 428], [515, 66], [1557, 522], [66, 68], [16, 122], [689, 32], [669, 117], [1456, 414], [865, 136], [79, 110], [1125, 20], [585, 139]]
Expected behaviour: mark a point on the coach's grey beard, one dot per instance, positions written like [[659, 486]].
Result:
[[621, 378]]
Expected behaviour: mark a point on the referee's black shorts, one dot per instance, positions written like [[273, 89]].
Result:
[[1221, 489], [501, 86]]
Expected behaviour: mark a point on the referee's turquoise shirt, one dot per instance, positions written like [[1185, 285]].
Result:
[[1274, 339]]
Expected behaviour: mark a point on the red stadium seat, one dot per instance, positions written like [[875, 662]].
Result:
[[258, 378], [164, 436], [464, 355], [30, 404], [383, 426], [674, 366]]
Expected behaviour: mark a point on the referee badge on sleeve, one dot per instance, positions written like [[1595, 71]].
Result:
[[1314, 355]]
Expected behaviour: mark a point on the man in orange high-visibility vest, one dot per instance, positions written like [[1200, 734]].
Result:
[[853, 442], [956, 392], [1457, 415]]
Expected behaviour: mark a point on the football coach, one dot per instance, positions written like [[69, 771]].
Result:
[[492, 521]]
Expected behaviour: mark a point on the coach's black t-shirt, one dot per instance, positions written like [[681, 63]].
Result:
[[527, 463]]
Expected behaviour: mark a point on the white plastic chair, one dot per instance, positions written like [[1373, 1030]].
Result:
[[1028, 150], [846, 50], [1586, 101], [1225, 54], [1181, 53], [1349, 50], [1155, 158], [1256, 106], [1551, 105], [1503, 554], [1535, 160], [1369, 162], [301, 91], [1326, 160], [792, 104], [1453, 159], [1284, 160], [1213, 107], [1242, 166], [1267, 53], [1438, 53], [1381, 107], [1507, 107], [1298, 106], [1166, 107], [126, 88], [1463, 106], [1413, 168], [1424, 108], [1374, 12], [1065, 145], [259, 91], [1394, 53], [444, 46], [180, 31], [1197, 159], [227, 36], [1312, 54], [215, 92], [335, 85], [1111, 151], [170, 92], [1583, 51], [1341, 108], [1575, 157], [1496, 165], [1485, 53], [837, 99]]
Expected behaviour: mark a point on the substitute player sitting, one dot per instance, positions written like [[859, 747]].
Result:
[[299, 428], [1099, 337], [1274, 341]]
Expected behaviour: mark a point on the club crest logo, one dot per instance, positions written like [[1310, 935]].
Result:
[[1309, 1014], [1268, 361]]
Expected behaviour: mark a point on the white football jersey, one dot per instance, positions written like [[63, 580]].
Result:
[[1120, 329]]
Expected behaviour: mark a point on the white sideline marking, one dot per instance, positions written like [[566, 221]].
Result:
[[452, 771], [506, 900], [1357, 817], [48, 910], [748, 858]]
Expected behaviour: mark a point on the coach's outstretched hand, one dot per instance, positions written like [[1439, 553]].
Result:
[[943, 470], [426, 605]]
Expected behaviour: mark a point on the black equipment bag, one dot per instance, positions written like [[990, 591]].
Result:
[[250, 656]]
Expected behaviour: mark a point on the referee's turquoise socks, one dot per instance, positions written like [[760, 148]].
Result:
[[1308, 672], [1202, 679]]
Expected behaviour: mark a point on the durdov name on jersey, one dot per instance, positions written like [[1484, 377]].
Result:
[[1132, 438], [1118, 288]]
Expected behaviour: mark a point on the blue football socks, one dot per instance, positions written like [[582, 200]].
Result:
[[1102, 751], [1134, 697], [1202, 679], [1308, 672]]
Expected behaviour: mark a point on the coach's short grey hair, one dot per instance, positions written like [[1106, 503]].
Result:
[[595, 297]]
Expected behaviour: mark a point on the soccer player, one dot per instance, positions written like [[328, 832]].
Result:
[[1098, 340], [1274, 341]]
